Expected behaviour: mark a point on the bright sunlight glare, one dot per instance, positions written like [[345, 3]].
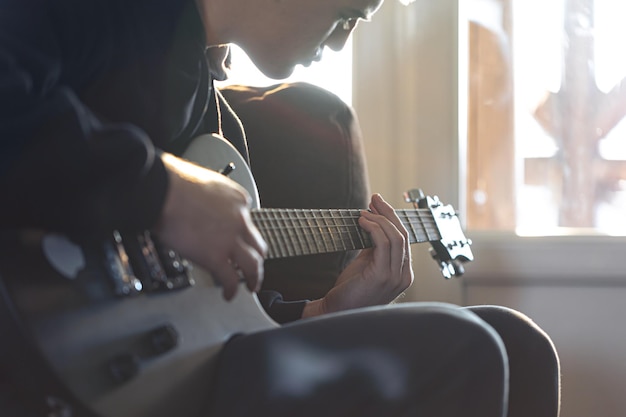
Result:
[[333, 72]]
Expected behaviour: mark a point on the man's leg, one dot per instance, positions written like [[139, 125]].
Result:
[[534, 380], [404, 360]]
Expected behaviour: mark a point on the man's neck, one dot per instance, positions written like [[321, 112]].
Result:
[[213, 13]]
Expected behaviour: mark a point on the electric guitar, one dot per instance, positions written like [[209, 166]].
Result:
[[130, 329]]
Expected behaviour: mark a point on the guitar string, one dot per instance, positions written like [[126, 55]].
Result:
[[430, 227], [325, 242], [427, 228], [299, 215], [320, 215], [330, 228], [355, 211]]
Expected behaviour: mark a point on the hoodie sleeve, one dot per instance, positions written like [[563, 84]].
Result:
[[61, 168]]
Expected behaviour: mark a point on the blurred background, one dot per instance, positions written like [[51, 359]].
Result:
[[513, 112]]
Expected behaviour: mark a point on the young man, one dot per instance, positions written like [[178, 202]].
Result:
[[98, 100]]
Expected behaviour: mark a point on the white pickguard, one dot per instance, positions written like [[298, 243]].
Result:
[[214, 152]]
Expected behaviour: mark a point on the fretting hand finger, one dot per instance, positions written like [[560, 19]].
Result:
[[378, 274], [394, 231]]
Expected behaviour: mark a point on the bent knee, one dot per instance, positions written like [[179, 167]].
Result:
[[517, 330], [466, 331]]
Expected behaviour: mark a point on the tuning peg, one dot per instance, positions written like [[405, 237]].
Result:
[[445, 270], [451, 269], [458, 268], [466, 242], [414, 195]]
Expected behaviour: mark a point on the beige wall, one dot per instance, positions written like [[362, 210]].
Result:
[[405, 92], [406, 95]]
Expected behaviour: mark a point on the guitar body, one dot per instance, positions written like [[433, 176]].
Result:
[[144, 354], [128, 329]]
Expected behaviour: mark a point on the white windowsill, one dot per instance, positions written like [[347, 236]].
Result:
[[508, 259]]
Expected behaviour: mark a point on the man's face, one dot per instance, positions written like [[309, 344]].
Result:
[[280, 34]]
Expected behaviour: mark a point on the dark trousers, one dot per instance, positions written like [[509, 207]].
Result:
[[413, 359]]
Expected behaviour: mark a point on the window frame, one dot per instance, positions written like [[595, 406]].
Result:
[[409, 91]]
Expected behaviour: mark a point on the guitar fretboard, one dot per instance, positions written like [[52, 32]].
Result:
[[295, 232]]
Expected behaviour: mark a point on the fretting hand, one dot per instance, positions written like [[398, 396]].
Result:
[[378, 274]]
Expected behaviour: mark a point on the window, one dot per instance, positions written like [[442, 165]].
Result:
[[546, 129]]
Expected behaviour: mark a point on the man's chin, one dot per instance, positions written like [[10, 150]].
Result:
[[277, 73]]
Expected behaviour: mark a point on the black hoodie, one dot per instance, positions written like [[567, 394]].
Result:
[[90, 92]]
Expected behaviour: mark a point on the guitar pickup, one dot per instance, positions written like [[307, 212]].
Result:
[[165, 270], [119, 268], [158, 268]]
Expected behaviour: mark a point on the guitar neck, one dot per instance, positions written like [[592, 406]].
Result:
[[296, 232]]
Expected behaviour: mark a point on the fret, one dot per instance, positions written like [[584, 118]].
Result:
[[257, 218], [413, 220], [268, 233], [331, 230], [322, 224], [362, 237], [358, 231], [322, 231], [314, 232], [285, 233], [345, 223], [333, 235], [277, 229], [302, 229], [434, 233], [404, 217], [295, 232], [348, 229], [276, 233], [422, 223]]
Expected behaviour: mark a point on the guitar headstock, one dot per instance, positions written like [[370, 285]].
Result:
[[452, 249]]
